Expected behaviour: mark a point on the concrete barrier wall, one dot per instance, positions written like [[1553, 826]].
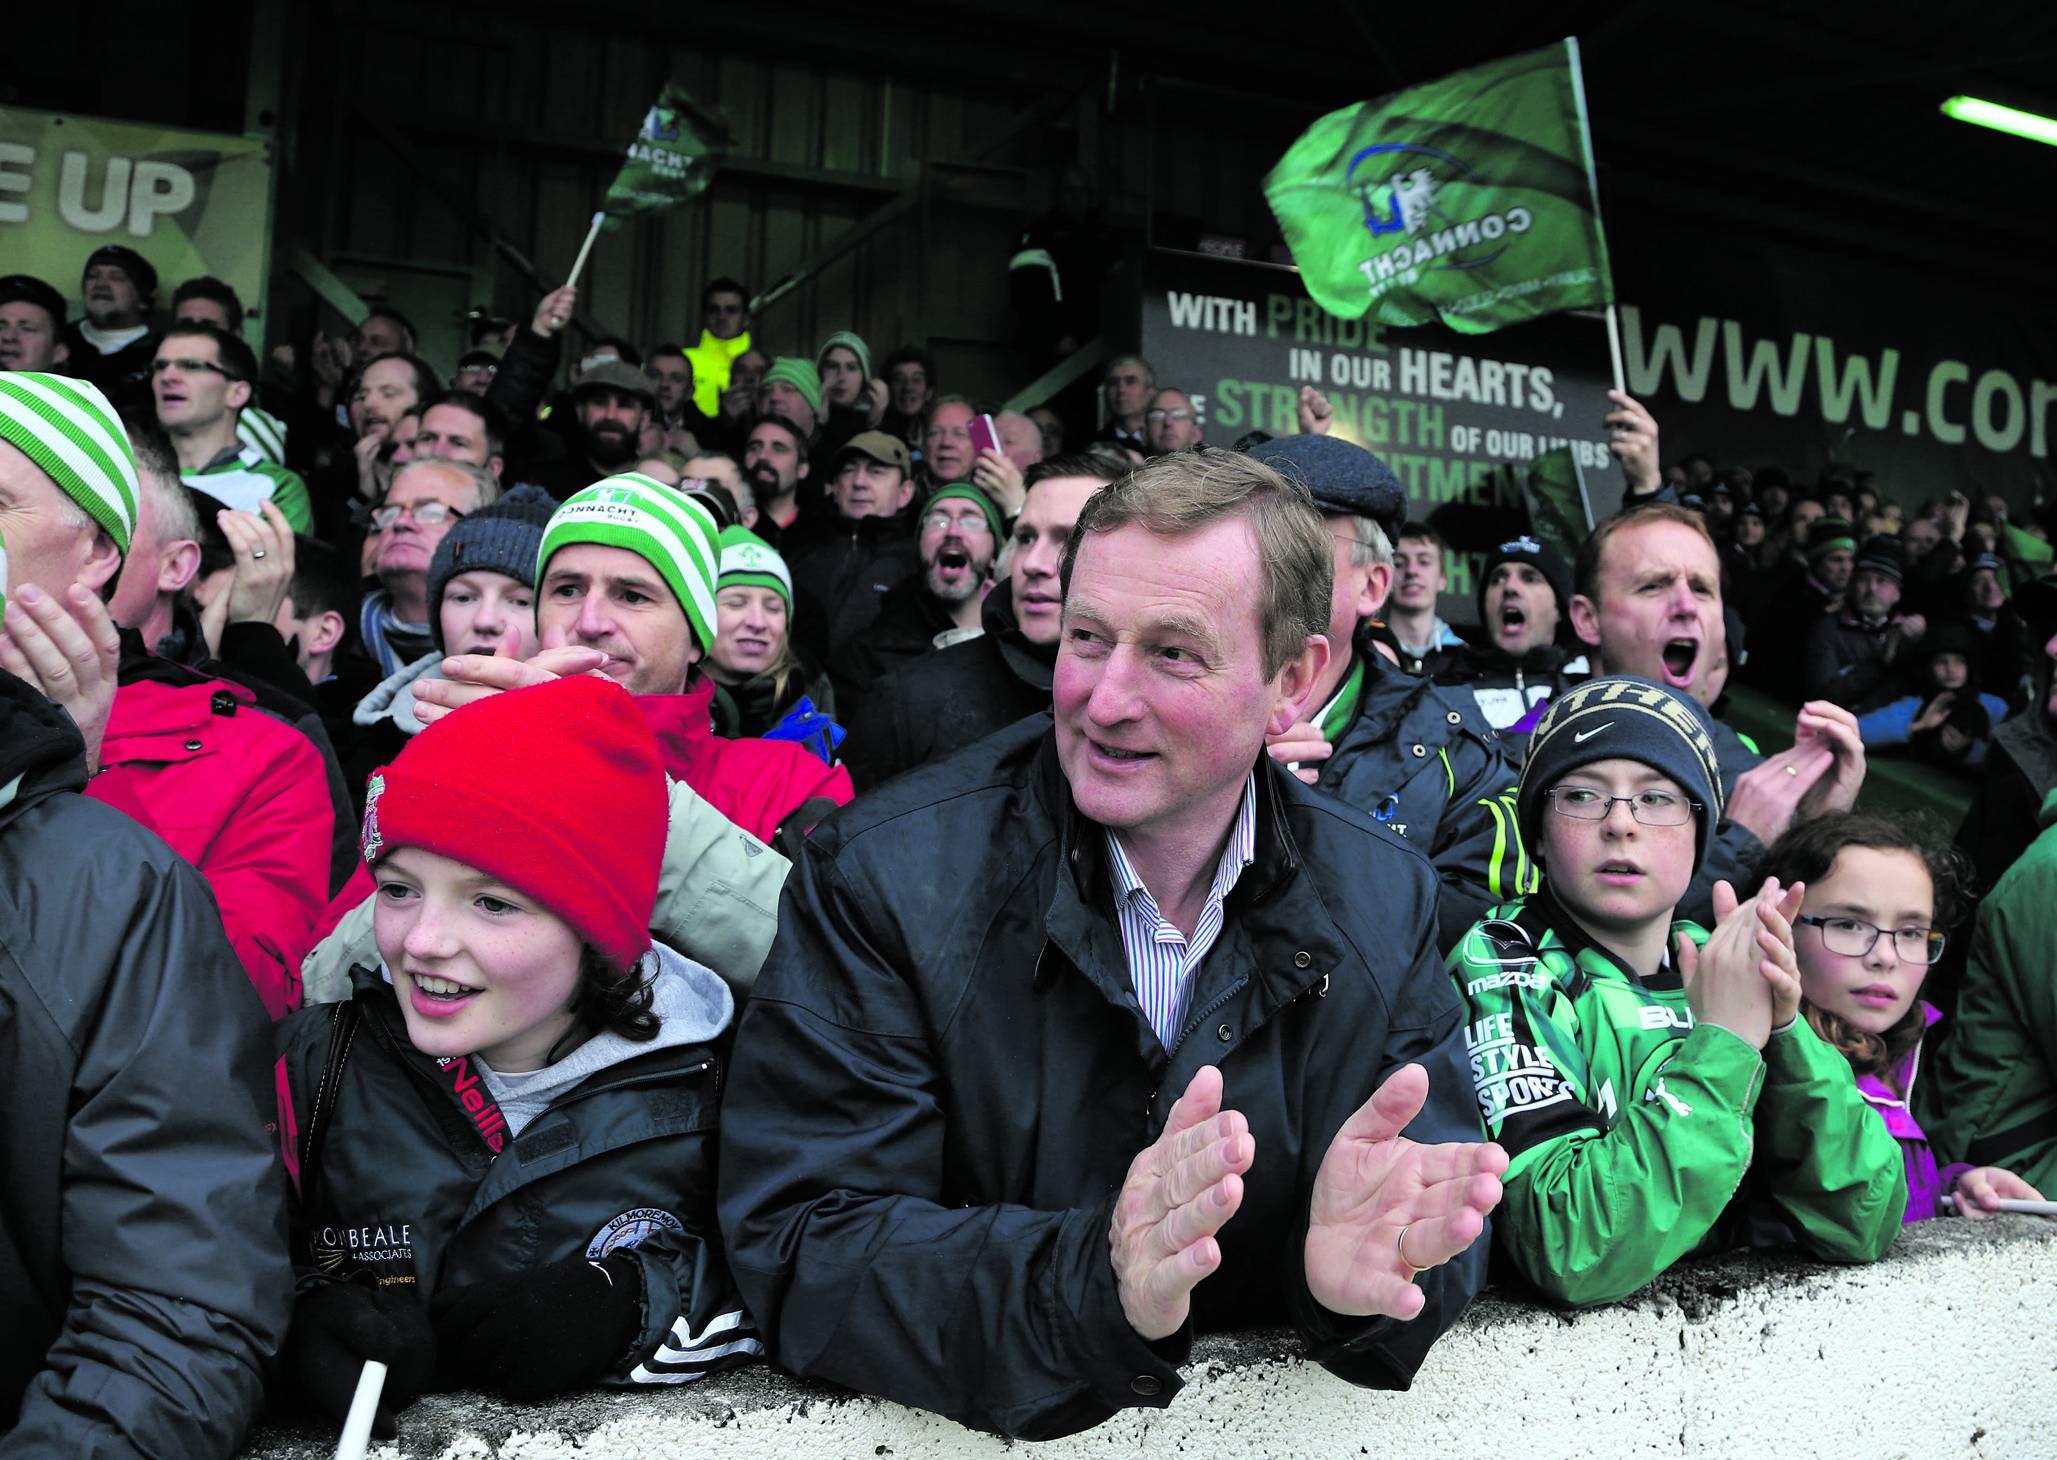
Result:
[[1947, 1348]]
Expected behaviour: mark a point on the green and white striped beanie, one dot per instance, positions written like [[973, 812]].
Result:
[[661, 525], [748, 559], [67, 428]]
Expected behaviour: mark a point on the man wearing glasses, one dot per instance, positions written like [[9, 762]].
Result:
[[203, 378], [427, 498], [960, 533], [1172, 423]]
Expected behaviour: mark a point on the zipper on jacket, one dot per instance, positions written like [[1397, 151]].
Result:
[[1201, 1018]]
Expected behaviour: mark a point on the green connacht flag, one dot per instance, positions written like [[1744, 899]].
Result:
[[1559, 511], [1470, 200], [673, 158]]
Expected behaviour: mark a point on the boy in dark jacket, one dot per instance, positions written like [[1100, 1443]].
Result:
[[502, 1144]]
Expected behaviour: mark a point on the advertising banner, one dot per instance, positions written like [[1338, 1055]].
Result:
[[1459, 418], [191, 203]]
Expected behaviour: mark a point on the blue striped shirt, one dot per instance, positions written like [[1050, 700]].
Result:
[[1161, 959]]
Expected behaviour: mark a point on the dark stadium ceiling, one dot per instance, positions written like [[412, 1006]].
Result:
[[1813, 117]]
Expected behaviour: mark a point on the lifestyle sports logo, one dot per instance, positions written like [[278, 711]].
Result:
[[1403, 194]]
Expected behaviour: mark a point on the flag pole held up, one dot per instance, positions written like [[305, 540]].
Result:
[[579, 266]]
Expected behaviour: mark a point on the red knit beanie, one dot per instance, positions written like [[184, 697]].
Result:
[[555, 789]]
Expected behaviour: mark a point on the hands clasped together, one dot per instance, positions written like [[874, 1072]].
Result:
[[1383, 1208], [1747, 978]]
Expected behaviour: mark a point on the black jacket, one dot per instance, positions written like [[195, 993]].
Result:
[[1421, 761], [841, 575], [123, 377], [943, 1075], [1735, 851], [143, 1272], [944, 701], [404, 1187], [1506, 687], [909, 618], [1846, 664]]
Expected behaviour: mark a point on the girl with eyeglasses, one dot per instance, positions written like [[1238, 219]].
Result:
[[1879, 897]]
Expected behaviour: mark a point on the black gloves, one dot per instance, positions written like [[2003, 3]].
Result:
[[338, 1326], [529, 1334]]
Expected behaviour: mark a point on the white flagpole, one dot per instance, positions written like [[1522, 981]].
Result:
[[594, 232]]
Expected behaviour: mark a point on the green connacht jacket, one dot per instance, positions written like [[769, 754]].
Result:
[[1631, 1130], [1991, 1095]]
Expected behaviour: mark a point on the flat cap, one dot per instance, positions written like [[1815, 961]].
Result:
[[1342, 477], [615, 375]]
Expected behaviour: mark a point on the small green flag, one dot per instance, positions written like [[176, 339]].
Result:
[[1558, 510], [673, 158], [1470, 199]]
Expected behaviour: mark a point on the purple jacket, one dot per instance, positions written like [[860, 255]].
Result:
[[1925, 1184]]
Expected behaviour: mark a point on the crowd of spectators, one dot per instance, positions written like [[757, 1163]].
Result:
[[1073, 884]]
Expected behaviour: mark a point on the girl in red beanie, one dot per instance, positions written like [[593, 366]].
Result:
[[502, 1144]]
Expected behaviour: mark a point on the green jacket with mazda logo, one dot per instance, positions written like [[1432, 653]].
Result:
[[1632, 1130]]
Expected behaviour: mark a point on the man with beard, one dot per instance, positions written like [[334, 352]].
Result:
[[1524, 594], [944, 701], [113, 345], [612, 400], [774, 464], [863, 547], [960, 535]]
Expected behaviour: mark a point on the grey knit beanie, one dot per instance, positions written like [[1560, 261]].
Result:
[[503, 538]]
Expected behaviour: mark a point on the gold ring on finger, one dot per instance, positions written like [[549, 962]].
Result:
[[1400, 1246]]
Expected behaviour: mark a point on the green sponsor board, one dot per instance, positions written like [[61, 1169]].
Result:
[[1470, 200], [674, 157], [191, 203]]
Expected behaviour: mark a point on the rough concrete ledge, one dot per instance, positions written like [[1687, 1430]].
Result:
[[1947, 1348]]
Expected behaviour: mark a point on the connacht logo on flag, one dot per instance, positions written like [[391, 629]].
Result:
[[673, 158], [1469, 200]]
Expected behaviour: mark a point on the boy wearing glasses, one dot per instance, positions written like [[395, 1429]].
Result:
[[202, 379], [1637, 1069]]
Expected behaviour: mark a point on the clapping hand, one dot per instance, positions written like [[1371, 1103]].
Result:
[[1180, 1191], [1385, 1207], [1746, 979]]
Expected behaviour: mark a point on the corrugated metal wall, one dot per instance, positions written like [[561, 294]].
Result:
[[526, 119]]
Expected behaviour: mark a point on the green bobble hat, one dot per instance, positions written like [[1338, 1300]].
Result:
[[974, 494], [748, 559], [849, 342], [798, 373], [68, 428], [661, 525]]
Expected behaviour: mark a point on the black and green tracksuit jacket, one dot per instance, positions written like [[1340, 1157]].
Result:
[[1631, 1129]]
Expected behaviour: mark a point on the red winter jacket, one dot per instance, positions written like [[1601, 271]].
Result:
[[756, 784], [242, 797]]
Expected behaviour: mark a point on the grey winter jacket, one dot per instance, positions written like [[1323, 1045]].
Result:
[[143, 1270]]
